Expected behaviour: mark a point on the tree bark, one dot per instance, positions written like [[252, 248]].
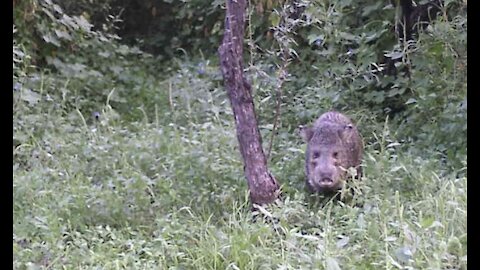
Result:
[[416, 17], [262, 185]]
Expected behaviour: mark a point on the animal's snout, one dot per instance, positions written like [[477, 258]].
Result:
[[326, 180]]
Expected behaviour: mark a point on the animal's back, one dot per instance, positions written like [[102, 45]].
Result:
[[333, 117]]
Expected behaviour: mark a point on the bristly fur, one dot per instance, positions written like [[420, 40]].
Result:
[[332, 132]]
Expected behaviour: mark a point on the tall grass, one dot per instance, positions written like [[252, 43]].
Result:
[[117, 165], [143, 195]]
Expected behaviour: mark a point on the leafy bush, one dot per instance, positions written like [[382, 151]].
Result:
[[343, 68], [123, 160], [140, 195], [87, 66], [439, 86]]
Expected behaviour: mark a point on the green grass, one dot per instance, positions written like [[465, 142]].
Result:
[[144, 195], [157, 182]]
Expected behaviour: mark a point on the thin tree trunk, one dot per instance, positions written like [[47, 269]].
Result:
[[414, 17], [262, 185]]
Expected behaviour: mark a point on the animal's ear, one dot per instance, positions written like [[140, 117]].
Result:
[[306, 133]]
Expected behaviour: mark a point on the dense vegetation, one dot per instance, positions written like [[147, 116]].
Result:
[[125, 153]]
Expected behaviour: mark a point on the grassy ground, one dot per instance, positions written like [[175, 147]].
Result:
[[157, 182], [140, 195]]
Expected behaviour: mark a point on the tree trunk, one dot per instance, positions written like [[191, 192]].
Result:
[[416, 17], [262, 185]]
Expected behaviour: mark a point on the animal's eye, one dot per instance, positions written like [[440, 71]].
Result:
[[335, 154], [316, 154]]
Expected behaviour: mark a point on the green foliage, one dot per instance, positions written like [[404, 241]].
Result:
[[439, 86], [195, 93], [336, 55], [95, 11], [163, 27], [123, 160], [140, 195], [89, 66]]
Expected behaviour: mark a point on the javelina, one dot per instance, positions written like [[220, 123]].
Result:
[[334, 145]]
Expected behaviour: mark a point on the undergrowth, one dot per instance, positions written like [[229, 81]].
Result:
[[122, 162], [146, 195]]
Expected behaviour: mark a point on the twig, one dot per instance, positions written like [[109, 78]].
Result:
[[281, 78]]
